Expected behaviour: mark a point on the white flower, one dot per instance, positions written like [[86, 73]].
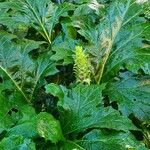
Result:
[[141, 1]]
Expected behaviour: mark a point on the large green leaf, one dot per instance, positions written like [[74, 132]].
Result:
[[18, 65], [27, 129], [86, 16], [16, 107], [116, 41], [97, 139], [63, 51], [104, 140], [127, 32], [41, 15], [81, 111], [17, 143], [20, 76], [64, 46], [42, 125], [132, 95]]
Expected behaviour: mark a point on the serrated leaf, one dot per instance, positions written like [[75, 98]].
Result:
[[41, 15], [97, 139], [63, 49], [26, 129], [86, 16], [132, 95], [20, 76], [116, 41], [43, 125], [16, 107], [81, 111], [17, 143], [18, 65], [127, 34], [63, 54]]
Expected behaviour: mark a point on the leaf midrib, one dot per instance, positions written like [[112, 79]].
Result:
[[16, 85]]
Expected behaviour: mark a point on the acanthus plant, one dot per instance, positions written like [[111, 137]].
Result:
[[74, 75]]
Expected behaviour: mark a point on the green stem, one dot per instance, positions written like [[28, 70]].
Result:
[[19, 89], [41, 24], [101, 65]]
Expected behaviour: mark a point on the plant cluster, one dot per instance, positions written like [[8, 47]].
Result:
[[74, 75]]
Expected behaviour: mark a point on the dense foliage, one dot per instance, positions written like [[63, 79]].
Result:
[[74, 75]]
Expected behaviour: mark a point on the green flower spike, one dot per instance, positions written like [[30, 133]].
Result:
[[82, 66]]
